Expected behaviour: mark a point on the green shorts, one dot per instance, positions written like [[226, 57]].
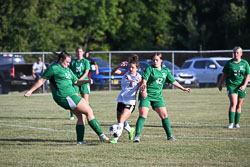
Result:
[[69, 102], [236, 90], [83, 89], [155, 103]]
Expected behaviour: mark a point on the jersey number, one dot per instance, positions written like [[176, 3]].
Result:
[[159, 81]]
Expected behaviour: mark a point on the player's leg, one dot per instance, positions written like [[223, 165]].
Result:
[[85, 91], [127, 111], [80, 128], [143, 113], [233, 98], [241, 96], [83, 108], [162, 112]]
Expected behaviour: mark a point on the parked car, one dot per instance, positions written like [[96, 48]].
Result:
[[13, 71], [184, 77], [207, 70]]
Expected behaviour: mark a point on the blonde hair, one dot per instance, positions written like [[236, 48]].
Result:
[[237, 48]]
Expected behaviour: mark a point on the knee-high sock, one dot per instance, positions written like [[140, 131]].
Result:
[[80, 129], [237, 118], [167, 126], [94, 124], [231, 116], [139, 125]]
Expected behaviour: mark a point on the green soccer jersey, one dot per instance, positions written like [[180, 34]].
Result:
[[61, 80], [155, 80], [236, 72], [79, 67]]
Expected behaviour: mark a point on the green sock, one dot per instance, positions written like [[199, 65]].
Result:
[[237, 118], [167, 126], [231, 117], [94, 124], [80, 129], [139, 125], [72, 114]]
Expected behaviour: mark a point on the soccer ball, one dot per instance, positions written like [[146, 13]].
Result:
[[115, 130]]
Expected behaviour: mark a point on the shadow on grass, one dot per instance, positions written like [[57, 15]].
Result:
[[46, 142], [32, 118]]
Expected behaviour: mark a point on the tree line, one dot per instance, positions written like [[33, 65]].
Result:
[[54, 25]]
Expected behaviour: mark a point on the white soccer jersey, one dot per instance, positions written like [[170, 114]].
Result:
[[129, 86]]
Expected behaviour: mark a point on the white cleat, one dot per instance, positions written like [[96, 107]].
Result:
[[136, 139], [237, 125], [81, 143], [103, 138], [230, 126], [171, 138], [71, 118]]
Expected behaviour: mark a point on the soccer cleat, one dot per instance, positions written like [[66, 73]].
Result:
[[114, 140], [81, 143], [103, 138], [237, 125], [230, 126], [71, 118], [171, 138], [131, 134], [136, 139]]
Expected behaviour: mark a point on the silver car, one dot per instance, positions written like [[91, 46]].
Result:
[[184, 77], [207, 70]]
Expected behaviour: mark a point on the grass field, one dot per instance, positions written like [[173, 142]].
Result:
[[37, 132]]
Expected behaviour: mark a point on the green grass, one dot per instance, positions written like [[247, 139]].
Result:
[[37, 132]]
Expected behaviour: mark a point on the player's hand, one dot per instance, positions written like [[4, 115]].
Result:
[[242, 88], [144, 94], [187, 89], [220, 87], [27, 94], [124, 64]]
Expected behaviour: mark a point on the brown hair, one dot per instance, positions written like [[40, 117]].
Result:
[[157, 54], [134, 60], [62, 56]]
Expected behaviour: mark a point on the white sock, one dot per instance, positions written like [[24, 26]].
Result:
[[127, 128], [121, 125]]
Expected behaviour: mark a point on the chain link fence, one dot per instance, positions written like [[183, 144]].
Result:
[[113, 58]]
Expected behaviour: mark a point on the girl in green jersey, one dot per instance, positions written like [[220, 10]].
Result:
[[62, 80], [80, 67], [151, 95], [236, 73]]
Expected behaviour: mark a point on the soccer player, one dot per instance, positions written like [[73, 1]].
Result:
[[236, 73], [62, 80], [80, 67], [127, 98], [153, 79]]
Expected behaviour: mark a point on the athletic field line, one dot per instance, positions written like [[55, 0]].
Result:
[[147, 136], [152, 123]]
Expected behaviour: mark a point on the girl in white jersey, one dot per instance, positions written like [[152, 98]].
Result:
[[127, 98]]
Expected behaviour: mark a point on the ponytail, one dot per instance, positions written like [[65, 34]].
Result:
[[62, 56]]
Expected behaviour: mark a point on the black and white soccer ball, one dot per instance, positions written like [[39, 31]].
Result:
[[115, 130]]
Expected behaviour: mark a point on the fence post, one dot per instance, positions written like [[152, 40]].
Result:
[[173, 67], [110, 71], [43, 58]]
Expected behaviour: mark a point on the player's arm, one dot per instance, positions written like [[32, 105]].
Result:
[[243, 87], [84, 75], [116, 70], [39, 83], [96, 69], [143, 88], [176, 84], [221, 80]]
